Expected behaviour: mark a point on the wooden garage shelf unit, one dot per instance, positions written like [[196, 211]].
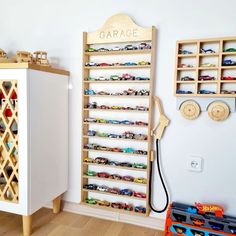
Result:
[[126, 32], [197, 59]]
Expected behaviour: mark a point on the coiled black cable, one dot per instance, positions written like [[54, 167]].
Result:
[[162, 182]]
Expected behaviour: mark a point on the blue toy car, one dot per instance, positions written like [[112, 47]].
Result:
[[89, 92], [128, 150], [203, 91], [140, 209], [126, 192], [114, 136], [229, 63], [113, 121], [130, 64], [126, 122], [183, 92], [91, 133], [207, 50]]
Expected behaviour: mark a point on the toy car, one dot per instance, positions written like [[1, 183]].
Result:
[[91, 146], [128, 135], [128, 178], [182, 51], [140, 180], [141, 152], [40, 58], [126, 122], [114, 190], [128, 207], [183, 92], [142, 46], [125, 164], [23, 56], [130, 64], [142, 108], [90, 186], [90, 120], [142, 78], [101, 134], [140, 136], [113, 136], [202, 50], [126, 192], [116, 150], [103, 203], [207, 65], [101, 160], [103, 50], [216, 226], [229, 63], [185, 66], [143, 63], [116, 177], [91, 64], [103, 93], [91, 133], [116, 48], [113, 163], [228, 78], [130, 47], [179, 230], [104, 64], [204, 91], [140, 195], [91, 201], [206, 77], [91, 173], [114, 77], [113, 122], [128, 150], [102, 188], [102, 78], [139, 166], [141, 123], [230, 50], [89, 92], [228, 92], [88, 160], [117, 205], [91, 105], [90, 50], [140, 209], [127, 76], [198, 222], [103, 175]]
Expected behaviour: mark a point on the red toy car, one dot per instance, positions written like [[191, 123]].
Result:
[[117, 205], [198, 222], [103, 175], [228, 78], [104, 64], [114, 190], [140, 195], [128, 178], [128, 76], [128, 207]]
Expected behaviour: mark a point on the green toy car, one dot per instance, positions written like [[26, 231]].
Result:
[[114, 77], [139, 166], [230, 50], [91, 173], [91, 50], [91, 201]]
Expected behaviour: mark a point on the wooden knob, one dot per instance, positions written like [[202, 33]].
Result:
[[190, 110], [218, 111]]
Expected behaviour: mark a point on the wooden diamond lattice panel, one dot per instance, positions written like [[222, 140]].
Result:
[[8, 141]]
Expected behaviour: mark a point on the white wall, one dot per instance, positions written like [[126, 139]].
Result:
[[57, 26]]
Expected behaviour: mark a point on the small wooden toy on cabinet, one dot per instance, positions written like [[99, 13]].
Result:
[[205, 76]]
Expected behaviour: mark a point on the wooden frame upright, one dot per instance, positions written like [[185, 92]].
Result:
[[118, 29]]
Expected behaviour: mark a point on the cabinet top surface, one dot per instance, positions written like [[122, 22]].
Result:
[[33, 67]]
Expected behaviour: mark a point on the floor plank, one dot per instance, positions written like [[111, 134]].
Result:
[[45, 223]]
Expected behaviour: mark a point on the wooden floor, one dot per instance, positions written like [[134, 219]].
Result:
[[69, 224]]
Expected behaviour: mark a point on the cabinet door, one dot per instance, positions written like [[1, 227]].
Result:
[[9, 141]]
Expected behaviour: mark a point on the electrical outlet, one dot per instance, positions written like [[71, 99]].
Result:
[[195, 164]]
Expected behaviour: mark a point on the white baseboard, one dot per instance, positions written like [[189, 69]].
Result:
[[149, 222]]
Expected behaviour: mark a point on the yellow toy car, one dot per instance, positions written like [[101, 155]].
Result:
[[89, 160], [143, 63], [103, 203], [140, 180]]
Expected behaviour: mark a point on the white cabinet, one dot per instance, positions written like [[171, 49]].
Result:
[[33, 138]]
